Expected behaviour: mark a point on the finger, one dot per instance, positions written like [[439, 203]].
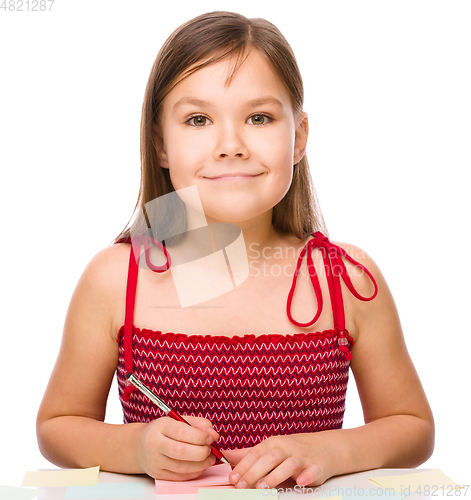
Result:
[[292, 466], [311, 475], [179, 431], [260, 465], [177, 470], [245, 462], [187, 466], [203, 424], [235, 456], [182, 450]]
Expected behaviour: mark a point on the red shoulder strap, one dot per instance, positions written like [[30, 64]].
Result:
[[133, 271], [334, 269]]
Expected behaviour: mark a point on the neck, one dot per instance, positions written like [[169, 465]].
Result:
[[213, 234], [258, 233]]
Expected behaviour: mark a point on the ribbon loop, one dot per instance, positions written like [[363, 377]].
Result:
[[144, 239], [335, 269], [315, 285]]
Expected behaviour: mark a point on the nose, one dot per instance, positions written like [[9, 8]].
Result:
[[231, 143]]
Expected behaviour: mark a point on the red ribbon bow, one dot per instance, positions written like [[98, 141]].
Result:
[[335, 268]]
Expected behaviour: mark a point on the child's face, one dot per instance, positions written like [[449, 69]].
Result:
[[238, 153]]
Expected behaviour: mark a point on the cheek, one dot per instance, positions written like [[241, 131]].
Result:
[[185, 158], [278, 147], [278, 157], [281, 168], [282, 182]]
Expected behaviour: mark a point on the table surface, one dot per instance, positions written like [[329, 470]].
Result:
[[354, 486]]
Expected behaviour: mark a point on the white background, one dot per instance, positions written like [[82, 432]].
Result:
[[388, 96]]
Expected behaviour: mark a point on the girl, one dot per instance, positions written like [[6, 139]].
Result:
[[223, 114]]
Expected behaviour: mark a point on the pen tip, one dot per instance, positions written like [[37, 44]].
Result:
[[224, 459], [128, 375]]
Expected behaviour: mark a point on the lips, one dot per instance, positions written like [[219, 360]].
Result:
[[232, 175]]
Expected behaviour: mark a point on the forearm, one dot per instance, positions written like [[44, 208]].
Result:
[[390, 442], [72, 441]]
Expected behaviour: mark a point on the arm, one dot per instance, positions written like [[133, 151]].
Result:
[[70, 424], [399, 428]]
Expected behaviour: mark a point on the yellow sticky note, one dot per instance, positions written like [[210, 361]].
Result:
[[67, 477], [433, 479]]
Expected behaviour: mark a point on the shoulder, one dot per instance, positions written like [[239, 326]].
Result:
[[360, 274], [357, 258], [369, 315], [374, 299], [102, 285], [108, 266]]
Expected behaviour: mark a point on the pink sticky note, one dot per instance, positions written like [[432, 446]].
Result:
[[216, 476]]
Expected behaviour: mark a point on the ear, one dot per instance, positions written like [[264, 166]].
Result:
[[160, 146], [300, 138]]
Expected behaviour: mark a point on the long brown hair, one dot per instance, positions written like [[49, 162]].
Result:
[[199, 42]]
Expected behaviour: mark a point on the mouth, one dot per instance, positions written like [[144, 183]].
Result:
[[233, 177]]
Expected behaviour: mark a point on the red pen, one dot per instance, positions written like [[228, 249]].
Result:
[[168, 411]]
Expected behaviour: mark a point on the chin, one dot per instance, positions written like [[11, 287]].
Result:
[[240, 209], [227, 218], [232, 215]]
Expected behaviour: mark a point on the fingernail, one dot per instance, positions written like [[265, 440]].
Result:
[[241, 484], [209, 440], [234, 477], [301, 481], [212, 459], [261, 485]]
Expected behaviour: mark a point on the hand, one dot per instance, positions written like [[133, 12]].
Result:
[[175, 451], [303, 457]]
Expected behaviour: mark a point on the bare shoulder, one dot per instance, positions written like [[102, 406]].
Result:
[[102, 286], [108, 268], [362, 314], [111, 258], [359, 277]]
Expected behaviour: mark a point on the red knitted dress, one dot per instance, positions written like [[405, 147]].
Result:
[[250, 387]]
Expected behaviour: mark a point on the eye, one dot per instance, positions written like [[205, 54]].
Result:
[[198, 121], [259, 119]]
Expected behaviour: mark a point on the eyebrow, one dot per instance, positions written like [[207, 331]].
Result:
[[260, 101]]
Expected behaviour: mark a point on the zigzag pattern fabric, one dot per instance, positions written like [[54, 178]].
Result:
[[250, 387]]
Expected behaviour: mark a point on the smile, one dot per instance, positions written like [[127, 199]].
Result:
[[233, 177]]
